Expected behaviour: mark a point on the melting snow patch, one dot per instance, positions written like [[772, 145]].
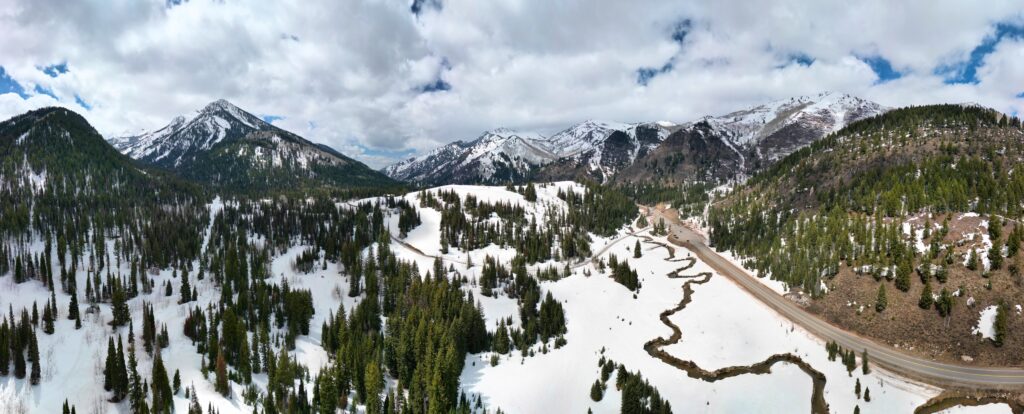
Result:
[[986, 323]]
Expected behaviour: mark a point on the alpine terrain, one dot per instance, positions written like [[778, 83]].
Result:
[[228, 148], [714, 148]]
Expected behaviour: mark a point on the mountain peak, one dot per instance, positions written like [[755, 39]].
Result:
[[220, 104]]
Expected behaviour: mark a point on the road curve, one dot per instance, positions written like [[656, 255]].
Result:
[[937, 373]]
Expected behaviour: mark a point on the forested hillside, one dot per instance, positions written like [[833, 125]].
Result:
[[924, 199]]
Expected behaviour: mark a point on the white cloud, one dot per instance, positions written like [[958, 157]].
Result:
[[355, 69]]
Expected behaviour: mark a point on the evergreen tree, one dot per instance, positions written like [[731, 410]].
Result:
[[865, 367], [972, 260], [530, 193], [636, 250], [73, 307], [926, 296], [374, 383], [903, 271], [880, 301], [176, 382], [221, 384], [999, 325], [33, 356], [597, 391], [186, 289], [163, 398], [945, 303]]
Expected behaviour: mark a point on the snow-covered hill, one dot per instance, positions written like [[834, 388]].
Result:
[[224, 145]]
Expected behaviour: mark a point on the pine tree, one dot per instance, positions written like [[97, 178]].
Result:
[[163, 398], [945, 303], [530, 193], [374, 382], [108, 366], [176, 382], [636, 250], [903, 271], [999, 325], [221, 384], [926, 297], [33, 356], [48, 317], [867, 394], [856, 388], [972, 260], [597, 391], [881, 302], [73, 307], [865, 367], [186, 289]]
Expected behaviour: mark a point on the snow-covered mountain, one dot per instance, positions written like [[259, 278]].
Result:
[[744, 140], [738, 144], [776, 129], [598, 150], [503, 155], [497, 156], [224, 145]]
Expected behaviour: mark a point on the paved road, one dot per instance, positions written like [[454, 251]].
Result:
[[929, 371]]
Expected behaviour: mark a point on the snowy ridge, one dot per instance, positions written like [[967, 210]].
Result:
[[222, 144], [601, 149], [185, 135], [503, 154]]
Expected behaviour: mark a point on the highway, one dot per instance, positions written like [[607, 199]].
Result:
[[933, 372]]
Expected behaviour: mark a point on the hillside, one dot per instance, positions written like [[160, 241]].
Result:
[[232, 150], [59, 180], [901, 227]]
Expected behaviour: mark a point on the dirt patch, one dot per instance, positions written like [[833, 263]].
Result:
[[850, 304]]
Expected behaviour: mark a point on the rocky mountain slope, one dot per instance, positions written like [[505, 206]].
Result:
[[496, 157], [735, 145], [229, 148], [715, 148], [592, 149]]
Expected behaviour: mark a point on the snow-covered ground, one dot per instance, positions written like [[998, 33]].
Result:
[[722, 326]]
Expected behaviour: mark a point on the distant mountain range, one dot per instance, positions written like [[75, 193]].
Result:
[[233, 150], [713, 148]]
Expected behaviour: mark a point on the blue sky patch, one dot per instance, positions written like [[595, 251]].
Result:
[[436, 86], [882, 68], [802, 59], [967, 71], [56, 70], [82, 102], [386, 153], [680, 30], [9, 85], [644, 75], [45, 91], [271, 118], [419, 6]]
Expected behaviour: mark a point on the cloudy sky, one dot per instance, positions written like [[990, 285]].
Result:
[[381, 79]]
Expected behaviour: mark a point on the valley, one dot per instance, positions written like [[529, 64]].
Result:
[[468, 297]]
